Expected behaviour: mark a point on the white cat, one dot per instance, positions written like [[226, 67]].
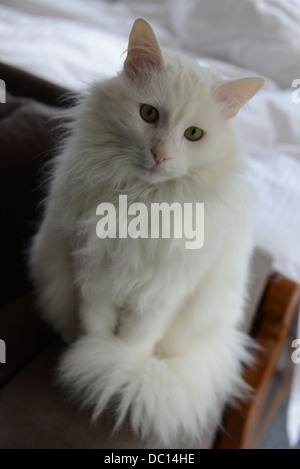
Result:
[[156, 324]]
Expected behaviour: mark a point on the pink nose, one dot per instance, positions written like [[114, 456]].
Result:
[[159, 155]]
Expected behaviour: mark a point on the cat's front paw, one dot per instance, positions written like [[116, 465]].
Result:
[[140, 345]]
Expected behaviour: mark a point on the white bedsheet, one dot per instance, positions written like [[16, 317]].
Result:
[[71, 42]]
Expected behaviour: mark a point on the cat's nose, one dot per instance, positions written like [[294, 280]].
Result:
[[159, 154]]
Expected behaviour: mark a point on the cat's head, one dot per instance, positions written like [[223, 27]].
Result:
[[173, 114]]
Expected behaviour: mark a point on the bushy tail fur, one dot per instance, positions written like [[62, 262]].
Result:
[[165, 398]]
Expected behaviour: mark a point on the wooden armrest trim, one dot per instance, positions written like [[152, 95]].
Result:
[[245, 423]]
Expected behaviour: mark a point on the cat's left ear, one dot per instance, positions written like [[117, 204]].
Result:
[[143, 50], [234, 94]]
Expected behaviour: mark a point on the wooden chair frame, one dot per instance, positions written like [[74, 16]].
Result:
[[245, 424]]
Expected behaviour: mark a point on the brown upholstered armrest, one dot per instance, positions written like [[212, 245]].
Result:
[[21, 83]]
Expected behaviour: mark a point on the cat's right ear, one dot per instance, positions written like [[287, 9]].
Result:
[[143, 50]]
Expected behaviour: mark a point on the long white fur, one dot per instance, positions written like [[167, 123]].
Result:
[[155, 326]]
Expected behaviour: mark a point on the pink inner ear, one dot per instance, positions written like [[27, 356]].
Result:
[[234, 94], [143, 49]]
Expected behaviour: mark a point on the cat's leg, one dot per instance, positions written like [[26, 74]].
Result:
[[98, 315], [138, 327], [52, 272], [143, 327], [216, 309]]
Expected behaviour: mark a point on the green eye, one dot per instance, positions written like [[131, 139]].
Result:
[[149, 113], [193, 133]]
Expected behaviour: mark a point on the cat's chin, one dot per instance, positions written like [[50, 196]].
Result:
[[154, 175]]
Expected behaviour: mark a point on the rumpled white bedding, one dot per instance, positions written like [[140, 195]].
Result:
[[71, 42]]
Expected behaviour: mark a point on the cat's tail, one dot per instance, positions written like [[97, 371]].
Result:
[[165, 398]]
